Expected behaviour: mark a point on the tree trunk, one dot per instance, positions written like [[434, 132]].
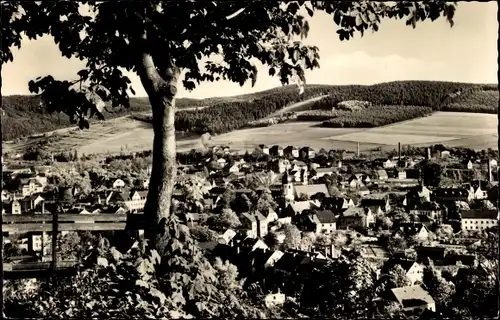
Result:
[[161, 89]]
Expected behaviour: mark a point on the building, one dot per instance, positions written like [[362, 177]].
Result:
[[256, 223], [414, 299], [291, 152], [414, 270], [479, 219], [276, 151], [452, 194], [429, 209], [324, 221]]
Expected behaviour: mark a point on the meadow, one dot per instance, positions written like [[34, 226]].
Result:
[[455, 129]]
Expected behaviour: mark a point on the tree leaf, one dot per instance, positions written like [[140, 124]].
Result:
[[142, 283], [102, 261]]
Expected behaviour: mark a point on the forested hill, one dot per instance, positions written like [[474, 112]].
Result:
[[23, 115]]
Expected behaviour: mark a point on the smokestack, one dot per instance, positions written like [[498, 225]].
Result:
[[428, 153], [357, 150], [490, 176], [399, 150]]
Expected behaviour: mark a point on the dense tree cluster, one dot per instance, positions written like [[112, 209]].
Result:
[[24, 116], [229, 116], [475, 100], [419, 93], [375, 116]]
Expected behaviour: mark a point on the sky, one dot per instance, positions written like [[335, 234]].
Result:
[[467, 52]]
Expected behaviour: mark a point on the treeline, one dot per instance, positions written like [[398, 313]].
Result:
[[23, 115], [476, 101], [225, 117], [420, 93], [375, 116]]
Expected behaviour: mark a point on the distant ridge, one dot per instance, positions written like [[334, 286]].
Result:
[[24, 117]]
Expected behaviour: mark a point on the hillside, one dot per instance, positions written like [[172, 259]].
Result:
[[24, 117]]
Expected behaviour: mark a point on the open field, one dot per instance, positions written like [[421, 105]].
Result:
[[471, 130]]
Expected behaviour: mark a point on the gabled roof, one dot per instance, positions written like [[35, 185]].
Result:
[[479, 214], [411, 296], [254, 216], [354, 212], [451, 192], [404, 263], [311, 189], [326, 216], [299, 206], [427, 206]]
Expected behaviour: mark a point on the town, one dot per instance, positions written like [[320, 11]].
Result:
[[278, 213]]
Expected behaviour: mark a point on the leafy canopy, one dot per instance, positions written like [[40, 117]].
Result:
[[113, 37]]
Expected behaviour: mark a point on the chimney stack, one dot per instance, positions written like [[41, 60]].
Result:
[[490, 176], [399, 151], [357, 150], [428, 153]]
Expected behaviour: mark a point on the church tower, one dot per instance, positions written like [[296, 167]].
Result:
[[287, 187]]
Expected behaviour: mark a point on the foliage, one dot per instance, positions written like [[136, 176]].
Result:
[[375, 116], [203, 234], [440, 289], [227, 219], [404, 93], [266, 202], [343, 288], [432, 172], [395, 278], [292, 236], [476, 99]]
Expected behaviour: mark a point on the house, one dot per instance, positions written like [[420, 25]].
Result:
[[310, 190], [417, 194], [388, 164], [118, 184], [363, 191], [291, 152], [337, 204], [401, 174], [414, 229], [468, 164], [383, 203], [227, 236], [414, 270], [256, 223], [477, 192], [265, 149], [297, 207], [235, 168], [381, 175], [250, 244], [356, 217], [30, 186], [12, 207], [479, 219], [270, 214], [451, 194], [307, 153], [445, 154], [414, 299], [429, 209], [493, 163], [136, 201], [321, 172], [325, 222], [276, 151], [354, 182]]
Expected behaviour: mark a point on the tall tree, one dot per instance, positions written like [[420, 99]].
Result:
[[165, 43]]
